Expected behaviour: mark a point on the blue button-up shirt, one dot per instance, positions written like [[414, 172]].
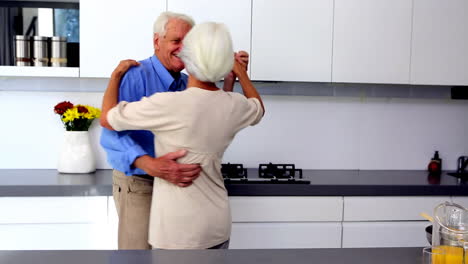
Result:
[[124, 147]]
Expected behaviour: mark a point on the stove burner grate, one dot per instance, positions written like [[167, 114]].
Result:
[[279, 171], [267, 174]]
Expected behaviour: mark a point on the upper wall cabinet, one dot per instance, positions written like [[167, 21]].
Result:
[[372, 41], [113, 30], [236, 15], [292, 40], [440, 42]]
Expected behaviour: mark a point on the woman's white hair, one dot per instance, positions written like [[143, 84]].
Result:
[[159, 25], [207, 52]]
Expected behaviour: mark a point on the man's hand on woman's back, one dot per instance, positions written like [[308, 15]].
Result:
[[167, 168]]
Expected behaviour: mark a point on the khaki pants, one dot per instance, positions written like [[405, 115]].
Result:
[[132, 197]]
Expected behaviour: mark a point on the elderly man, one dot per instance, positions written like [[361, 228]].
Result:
[[131, 153]]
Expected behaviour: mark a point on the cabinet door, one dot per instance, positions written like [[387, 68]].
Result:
[[48, 210], [113, 30], [292, 40], [285, 235], [390, 208], [47, 223], [236, 15], [372, 41], [440, 42], [54, 237], [286, 209], [385, 234], [112, 223]]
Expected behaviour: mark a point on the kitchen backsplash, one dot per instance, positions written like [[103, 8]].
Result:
[[313, 132]]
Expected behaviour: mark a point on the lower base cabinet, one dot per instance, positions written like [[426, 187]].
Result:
[[285, 235], [87, 223], [54, 237], [385, 234], [59, 223]]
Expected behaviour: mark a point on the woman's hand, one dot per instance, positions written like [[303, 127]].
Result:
[[239, 69], [122, 68], [243, 58]]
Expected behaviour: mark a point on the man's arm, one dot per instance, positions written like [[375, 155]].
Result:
[[165, 166], [111, 95]]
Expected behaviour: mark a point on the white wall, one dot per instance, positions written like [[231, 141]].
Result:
[[313, 132]]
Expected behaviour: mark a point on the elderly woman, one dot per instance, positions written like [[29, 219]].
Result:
[[202, 119]]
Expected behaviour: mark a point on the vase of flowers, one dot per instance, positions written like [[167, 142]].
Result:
[[76, 154]]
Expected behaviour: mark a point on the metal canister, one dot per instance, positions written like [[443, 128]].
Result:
[[22, 51], [58, 56], [41, 51]]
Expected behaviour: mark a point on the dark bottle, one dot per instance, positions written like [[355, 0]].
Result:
[[435, 165]]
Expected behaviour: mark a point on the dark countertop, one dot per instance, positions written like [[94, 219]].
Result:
[[43, 182], [234, 256]]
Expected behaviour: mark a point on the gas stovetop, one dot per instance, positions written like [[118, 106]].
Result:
[[267, 174]]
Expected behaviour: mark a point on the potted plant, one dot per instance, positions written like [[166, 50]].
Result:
[[76, 155]]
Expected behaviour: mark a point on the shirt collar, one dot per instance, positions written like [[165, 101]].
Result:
[[163, 73]]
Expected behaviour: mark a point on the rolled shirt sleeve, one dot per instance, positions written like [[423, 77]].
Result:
[[247, 111], [255, 111]]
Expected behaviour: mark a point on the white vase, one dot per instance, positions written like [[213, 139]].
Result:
[[76, 154]]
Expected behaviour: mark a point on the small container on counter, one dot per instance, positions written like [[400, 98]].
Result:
[[435, 165]]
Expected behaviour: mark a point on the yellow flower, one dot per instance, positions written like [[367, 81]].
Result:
[[92, 112], [70, 115]]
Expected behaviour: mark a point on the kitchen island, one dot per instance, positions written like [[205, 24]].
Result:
[[277, 256], [43, 182]]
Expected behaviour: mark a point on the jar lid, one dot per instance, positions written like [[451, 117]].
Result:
[[58, 38], [21, 37], [40, 38]]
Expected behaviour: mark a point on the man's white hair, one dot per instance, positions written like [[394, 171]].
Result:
[[207, 52], [159, 25]]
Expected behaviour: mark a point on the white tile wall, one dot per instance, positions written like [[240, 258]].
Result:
[[313, 132]]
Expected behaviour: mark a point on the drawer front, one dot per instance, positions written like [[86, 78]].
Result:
[[286, 209], [385, 234], [54, 237], [389, 208], [285, 235], [17, 210]]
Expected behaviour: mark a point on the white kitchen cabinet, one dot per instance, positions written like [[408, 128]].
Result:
[[387, 221], [113, 30], [372, 41], [112, 223], [46, 210], [276, 222], [292, 40], [54, 237], [286, 222], [286, 209], [385, 234], [439, 52], [285, 235], [236, 15], [390, 208], [39, 223]]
